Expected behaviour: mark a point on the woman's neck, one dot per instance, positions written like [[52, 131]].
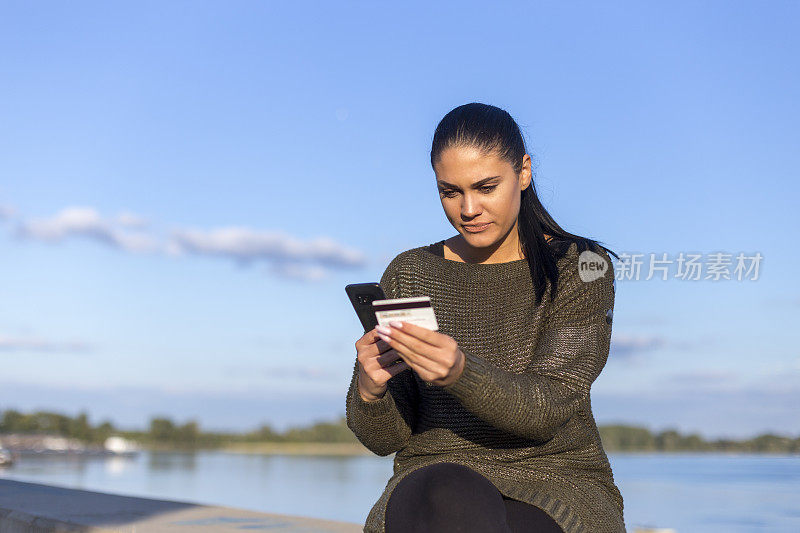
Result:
[[456, 249]]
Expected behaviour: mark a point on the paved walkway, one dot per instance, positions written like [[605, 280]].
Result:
[[36, 508]]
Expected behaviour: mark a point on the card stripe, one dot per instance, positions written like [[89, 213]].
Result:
[[407, 305]]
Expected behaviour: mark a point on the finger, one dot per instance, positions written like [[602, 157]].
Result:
[[387, 341], [375, 360], [382, 345], [413, 343], [386, 373], [424, 334], [373, 348], [369, 337], [411, 366], [410, 356], [372, 336]]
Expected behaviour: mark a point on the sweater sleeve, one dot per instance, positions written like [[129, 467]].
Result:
[[385, 425], [570, 354]]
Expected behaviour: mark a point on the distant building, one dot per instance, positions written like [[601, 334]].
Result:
[[121, 445], [43, 444]]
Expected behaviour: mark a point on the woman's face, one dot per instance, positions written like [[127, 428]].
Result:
[[480, 193]]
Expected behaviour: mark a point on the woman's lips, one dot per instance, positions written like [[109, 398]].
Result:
[[476, 228]]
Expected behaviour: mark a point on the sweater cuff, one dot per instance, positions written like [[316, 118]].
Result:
[[375, 408], [469, 383]]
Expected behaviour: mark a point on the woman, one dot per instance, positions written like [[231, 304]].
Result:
[[490, 416]]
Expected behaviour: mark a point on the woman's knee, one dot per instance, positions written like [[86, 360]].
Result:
[[445, 497], [448, 492], [442, 482]]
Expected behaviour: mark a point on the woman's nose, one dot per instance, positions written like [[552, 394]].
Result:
[[470, 207]]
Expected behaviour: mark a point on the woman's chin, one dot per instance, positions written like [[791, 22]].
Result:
[[478, 240]]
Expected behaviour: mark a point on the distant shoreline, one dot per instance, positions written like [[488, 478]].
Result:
[[56, 431], [346, 449], [298, 448]]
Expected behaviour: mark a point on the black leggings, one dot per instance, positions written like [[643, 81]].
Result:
[[449, 497]]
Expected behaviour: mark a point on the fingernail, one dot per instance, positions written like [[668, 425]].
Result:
[[396, 324], [384, 337], [383, 329]]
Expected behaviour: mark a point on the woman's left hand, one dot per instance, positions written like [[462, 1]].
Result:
[[434, 356]]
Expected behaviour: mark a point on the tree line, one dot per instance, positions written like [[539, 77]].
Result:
[[163, 432]]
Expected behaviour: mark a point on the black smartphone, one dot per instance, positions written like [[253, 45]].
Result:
[[361, 296]]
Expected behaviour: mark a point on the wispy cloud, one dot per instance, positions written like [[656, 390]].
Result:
[[284, 372], [634, 348], [7, 212], [705, 378], [86, 222], [131, 220], [627, 346], [290, 257], [285, 256], [9, 344]]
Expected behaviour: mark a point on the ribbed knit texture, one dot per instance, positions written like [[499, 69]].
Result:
[[520, 413]]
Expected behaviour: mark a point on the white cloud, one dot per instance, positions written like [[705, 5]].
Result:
[[284, 372], [8, 344], [704, 378], [7, 212], [86, 222], [287, 256], [131, 220], [628, 345], [291, 257]]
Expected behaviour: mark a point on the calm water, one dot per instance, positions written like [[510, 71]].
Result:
[[687, 492]]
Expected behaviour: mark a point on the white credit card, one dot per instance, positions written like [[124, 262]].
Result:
[[417, 310]]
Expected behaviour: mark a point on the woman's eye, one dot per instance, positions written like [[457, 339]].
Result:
[[450, 193]]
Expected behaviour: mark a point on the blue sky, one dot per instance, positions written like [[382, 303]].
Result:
[[186, 187]]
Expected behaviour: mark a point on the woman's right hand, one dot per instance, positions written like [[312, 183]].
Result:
[[376, 365]]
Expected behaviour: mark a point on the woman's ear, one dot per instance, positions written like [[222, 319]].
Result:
[[525, 174]]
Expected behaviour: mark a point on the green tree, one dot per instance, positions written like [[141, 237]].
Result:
[[626, 438], [188, 434], [162, 429], [668, 440], [80, 428]]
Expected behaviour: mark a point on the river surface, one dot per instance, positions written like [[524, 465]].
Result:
[[728, 493]]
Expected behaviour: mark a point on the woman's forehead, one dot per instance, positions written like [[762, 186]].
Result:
[[469, 165]]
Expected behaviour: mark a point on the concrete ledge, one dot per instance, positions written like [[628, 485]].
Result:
[[36, 508]]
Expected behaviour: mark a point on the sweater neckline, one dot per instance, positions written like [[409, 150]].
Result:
[[517, 263]]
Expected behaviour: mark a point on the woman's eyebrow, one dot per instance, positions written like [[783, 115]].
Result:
[[474, 185]]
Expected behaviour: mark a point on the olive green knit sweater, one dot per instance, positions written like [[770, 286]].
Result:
[[520, 413]]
